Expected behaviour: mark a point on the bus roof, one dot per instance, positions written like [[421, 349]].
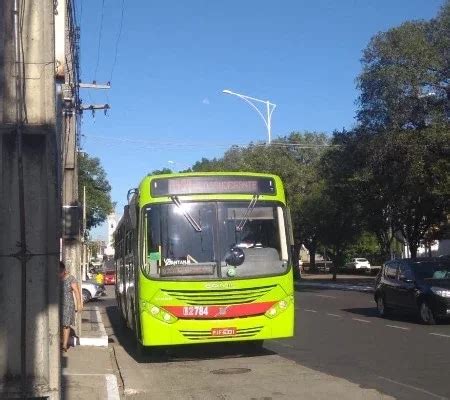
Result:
[[146, 196]]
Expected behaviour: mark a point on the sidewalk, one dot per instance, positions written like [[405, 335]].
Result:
[[359, 283], [266, 376], [87, 371]]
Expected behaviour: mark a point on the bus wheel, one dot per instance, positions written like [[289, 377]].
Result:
[[140, 348]]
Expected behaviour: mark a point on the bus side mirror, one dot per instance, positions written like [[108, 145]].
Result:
[[131, 207], [133, 216], [290, 227]]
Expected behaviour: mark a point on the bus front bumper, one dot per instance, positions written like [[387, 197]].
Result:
[[156, 332]]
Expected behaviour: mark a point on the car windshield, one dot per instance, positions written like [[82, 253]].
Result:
[[432, 270], [361, 259], [178, 247]]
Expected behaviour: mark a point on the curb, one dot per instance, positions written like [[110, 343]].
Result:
[[337, 286], [100, 341], [112, 388]]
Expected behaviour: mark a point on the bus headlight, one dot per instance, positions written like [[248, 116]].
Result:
[[279, 307], [158, 312]]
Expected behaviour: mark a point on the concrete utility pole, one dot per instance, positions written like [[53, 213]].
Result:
[[85, 244], [29, 202], [71, 254]]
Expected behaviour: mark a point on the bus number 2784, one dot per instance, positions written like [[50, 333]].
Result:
[[193, 311]]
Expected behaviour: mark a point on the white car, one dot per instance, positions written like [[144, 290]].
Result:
[[359, 264], [90, 290]]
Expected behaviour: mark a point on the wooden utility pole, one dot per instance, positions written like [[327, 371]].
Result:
[[29, 202]]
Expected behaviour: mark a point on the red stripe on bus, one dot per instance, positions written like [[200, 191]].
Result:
[[210, 312]]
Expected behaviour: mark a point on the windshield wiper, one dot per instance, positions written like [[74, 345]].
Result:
[[247, 214], [186, 214]]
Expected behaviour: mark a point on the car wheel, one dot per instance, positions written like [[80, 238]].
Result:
[[381, 307], [86, 295], [426, 314]]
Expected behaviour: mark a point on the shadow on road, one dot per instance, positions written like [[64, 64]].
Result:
[[394, 316], [125, 338]]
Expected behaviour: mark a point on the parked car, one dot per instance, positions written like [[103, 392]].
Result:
[[110, 277], [90, 290], [420, 286], [358, 264]]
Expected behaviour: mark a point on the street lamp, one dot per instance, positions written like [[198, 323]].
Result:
[[269, 109]]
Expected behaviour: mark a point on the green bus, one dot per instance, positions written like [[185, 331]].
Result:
[[205, 257]]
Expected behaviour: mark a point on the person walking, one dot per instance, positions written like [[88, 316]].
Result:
[[100, 278], [70, 303]]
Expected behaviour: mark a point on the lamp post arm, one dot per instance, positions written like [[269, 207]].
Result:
[[270, 107], [256, 108]]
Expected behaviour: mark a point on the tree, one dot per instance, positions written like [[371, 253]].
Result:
[[419, 190], [98, 190], [309, 220], [402, 177], [341, 210], [405, 77], [163, 171], [294, 158]]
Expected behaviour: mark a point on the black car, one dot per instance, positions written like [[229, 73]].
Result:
[[420, 285]]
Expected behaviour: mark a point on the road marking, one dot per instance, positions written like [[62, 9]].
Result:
[[334, 315], [362, 320], [325, 296], [112, 389], [398, 327], [414, 388], [309, 310], [440, 334]]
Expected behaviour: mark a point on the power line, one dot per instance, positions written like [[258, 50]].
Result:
[[99, 39], [156, 143], [118, 40]]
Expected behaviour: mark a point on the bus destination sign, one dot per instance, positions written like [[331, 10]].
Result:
[[212, 185]]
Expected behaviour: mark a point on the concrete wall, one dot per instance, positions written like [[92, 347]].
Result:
[[29, 278]]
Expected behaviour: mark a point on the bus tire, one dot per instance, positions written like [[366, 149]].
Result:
[[140, 348]]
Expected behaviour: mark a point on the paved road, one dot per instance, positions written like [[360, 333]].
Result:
[[337, 334]]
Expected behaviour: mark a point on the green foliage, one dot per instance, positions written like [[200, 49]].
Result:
[[163, 171], [94, 248], [418, 193], [387, 180], [366, 246], [294, 158], [405, 77], [401, 150], [98, 190]]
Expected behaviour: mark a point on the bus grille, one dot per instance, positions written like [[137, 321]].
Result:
[[219, 297], [202, 335]]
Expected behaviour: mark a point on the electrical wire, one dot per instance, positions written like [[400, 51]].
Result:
[[99, 39], [155, 143], [151, 144], [117, 41]]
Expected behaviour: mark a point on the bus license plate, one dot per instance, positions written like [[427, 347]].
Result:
[[223, 331]]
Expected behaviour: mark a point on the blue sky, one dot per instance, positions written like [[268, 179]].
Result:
[[174, 59]]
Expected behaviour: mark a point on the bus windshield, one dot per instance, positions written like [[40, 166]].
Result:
[[177, 247]]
